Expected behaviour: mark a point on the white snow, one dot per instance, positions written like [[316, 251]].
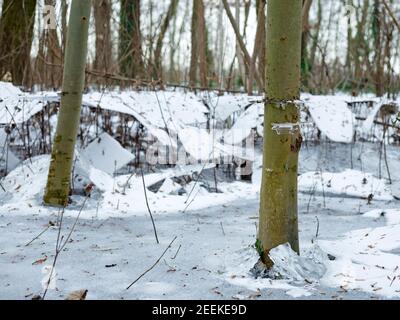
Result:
[[106, 154], [390, 216], [7, 158], [351, 183], [332, 117], [367, 260]]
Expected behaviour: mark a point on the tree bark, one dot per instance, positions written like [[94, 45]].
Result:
[[102, 18], [278, 208], [130, 40], [240, 40], [49, 57], [379, 61], [305, 61], [198, 60], [258, 43], [160, 40], [16, 34], [59, 177]]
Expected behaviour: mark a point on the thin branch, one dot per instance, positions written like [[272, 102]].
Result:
[[152, 267], [395, 21], [148, 207]]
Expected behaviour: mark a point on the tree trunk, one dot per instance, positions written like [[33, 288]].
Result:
[[315, 39], [239, 54], [130, 40], [59, 178], [260, 33], [305, 61], [278, 208], [16, 33], [102, 19], [220, 45], [198, 60], [49, 57], [64, 27], [377, 34], [194, 44], [240, 40], [261, 53], [164, 27]]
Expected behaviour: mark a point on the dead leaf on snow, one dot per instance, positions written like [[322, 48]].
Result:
[[77, 295], [40, 261]]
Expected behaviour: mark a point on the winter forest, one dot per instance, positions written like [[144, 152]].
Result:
[[199, 150]]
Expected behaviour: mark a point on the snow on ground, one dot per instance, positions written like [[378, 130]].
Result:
[[349, 218], [350, 183], [7, 158], [211, 259], [390, 216]]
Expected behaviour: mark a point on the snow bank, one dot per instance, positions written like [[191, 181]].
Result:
[[332, 117], [106, 154], [350, 183], [15, 106], [228, 104]]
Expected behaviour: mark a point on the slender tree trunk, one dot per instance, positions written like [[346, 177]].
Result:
[[220, 45], [64, 12], [278, 208], [194, 44], [305, 61], [203, 46], [360, 45], [260, 33], [164, 27], [16, 34], [102, 19], [240, 40], [262, 53], [49, 56], [377, 34], [130, 40], [198, 60], [239, 53], [59, 178], [315, 39]]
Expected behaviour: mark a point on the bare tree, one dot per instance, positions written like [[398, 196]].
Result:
[[130, 40], [16, 34], [102, 18]]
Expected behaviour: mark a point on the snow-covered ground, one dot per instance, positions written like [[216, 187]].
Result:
[[349, 214], [114, 241]]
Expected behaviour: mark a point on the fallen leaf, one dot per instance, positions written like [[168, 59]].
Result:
[[77, 295], [40, 261]]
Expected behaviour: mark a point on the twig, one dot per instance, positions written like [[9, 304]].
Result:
[[177, 251], [391, 14], [38, 236], [148, 207], [60, 245], [152, 267], [317, 233], [222, 227]]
